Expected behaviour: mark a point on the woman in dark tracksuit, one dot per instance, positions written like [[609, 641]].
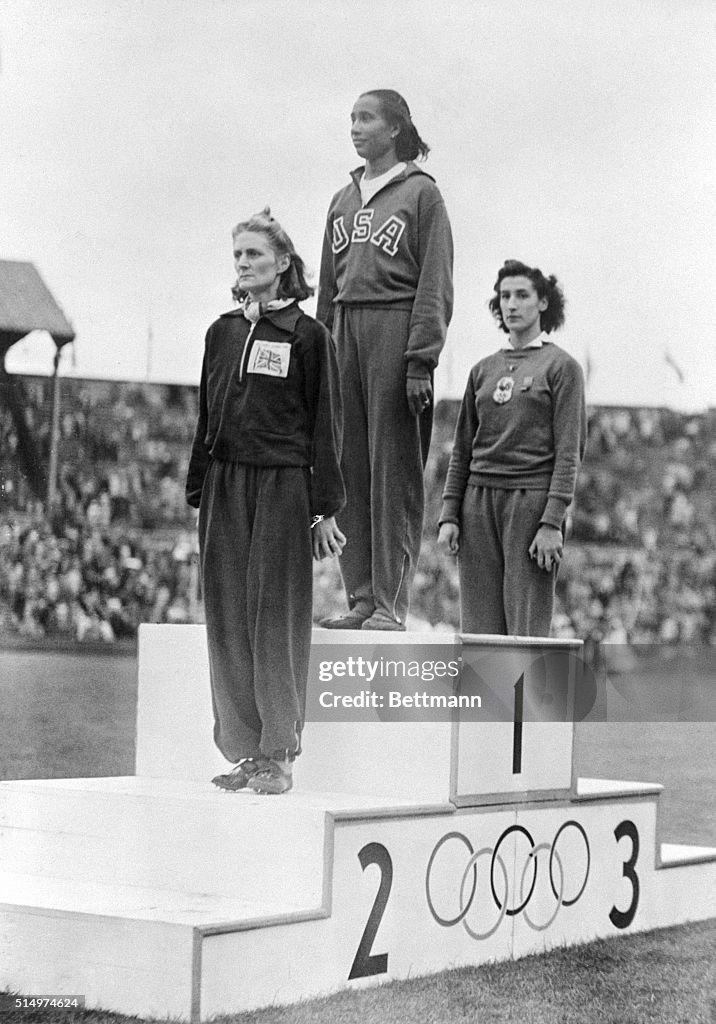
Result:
[[519, 440], [386, 291], [265, 475]]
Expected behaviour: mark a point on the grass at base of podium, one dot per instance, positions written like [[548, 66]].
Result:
[[662, 977]]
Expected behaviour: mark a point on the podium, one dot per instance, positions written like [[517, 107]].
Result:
[[415, 840]]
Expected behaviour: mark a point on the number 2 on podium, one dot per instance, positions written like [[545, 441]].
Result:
[[366, 963]]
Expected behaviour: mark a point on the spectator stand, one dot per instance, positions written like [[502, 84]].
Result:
[[26, 304], [118, 546]]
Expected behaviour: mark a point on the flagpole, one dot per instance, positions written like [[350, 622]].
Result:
[[672, 364], [150, 346], [54, 431]]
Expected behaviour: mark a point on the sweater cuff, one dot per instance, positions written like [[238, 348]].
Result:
[[327, 507], [554, 512], [450, 511], [417, 368]]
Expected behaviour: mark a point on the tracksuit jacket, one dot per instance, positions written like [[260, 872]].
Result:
[[398, 251], [258, 417]]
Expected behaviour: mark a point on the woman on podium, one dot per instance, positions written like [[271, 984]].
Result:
[[386, 292], [518, 443], [265, 475]]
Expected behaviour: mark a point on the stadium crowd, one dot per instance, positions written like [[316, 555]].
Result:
[[116, 548], [118, 545]]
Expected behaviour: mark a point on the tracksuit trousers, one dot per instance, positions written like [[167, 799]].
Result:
[[256, 569], [384, 452], [502, 590]]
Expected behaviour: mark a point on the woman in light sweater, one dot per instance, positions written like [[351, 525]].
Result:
[[518, 443]]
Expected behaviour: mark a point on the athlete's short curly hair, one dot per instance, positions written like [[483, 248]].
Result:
[[293, 284], [552, 318], [408, 144]]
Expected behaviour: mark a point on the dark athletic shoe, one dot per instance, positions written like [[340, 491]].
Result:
[[238, 777], [351, 620], [271, 778]]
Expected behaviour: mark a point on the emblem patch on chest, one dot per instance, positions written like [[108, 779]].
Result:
[[271, 358], [503, 391]]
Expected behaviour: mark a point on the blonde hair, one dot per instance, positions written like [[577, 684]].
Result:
[[292, 284]]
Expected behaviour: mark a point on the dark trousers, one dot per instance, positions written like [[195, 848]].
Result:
[[256, 568], [502, 590], [384, 451]]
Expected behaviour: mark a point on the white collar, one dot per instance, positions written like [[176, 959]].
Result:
[[369, 187], [541, 339], [253, 311], [397, 167]]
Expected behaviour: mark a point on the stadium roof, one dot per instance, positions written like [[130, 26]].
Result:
[[26, 304]]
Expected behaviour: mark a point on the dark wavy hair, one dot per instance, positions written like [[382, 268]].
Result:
[[292, 284], [552, 318], [394, 109]]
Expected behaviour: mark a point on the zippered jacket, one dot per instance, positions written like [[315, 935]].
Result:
[[271, 397], [395, 250]]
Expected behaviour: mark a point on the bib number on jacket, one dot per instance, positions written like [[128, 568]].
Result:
[[271, 358]]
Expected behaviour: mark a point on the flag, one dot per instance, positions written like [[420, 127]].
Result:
[[670, 361]]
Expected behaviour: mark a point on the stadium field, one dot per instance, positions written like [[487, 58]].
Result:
[[72, 714]]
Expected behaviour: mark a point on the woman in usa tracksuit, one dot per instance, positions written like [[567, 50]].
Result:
[[386, 292]]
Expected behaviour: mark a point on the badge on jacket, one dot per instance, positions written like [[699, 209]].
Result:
[[271, 358], [503, 391]]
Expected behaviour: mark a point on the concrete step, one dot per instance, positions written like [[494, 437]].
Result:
[[678, 855], [162, 835], [610, 789], [468, 761], [174, 834], [339, 890], [444, 844], [73, 897]]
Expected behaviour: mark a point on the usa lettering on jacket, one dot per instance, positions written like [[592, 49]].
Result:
[[386, 237]]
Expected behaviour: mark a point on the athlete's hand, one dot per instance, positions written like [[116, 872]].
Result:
[[449, 537], [328, 541], [419, 392], [546, 548]]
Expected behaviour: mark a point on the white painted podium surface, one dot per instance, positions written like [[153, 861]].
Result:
[[411, 843], [465, 760]]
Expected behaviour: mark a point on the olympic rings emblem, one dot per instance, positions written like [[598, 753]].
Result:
[[527, 879]]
